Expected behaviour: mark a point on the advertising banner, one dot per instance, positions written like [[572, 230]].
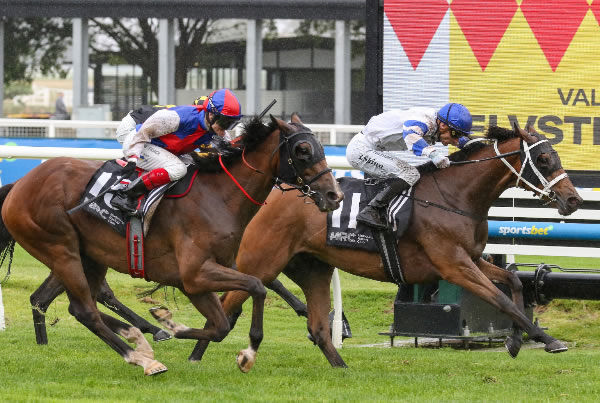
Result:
[[527, 61]]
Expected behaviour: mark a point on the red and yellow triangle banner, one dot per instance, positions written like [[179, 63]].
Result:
[[535, 61]]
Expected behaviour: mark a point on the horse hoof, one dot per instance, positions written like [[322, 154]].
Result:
[[161, 313], [556, 347], [245, 361], [155, 368], [162, 335], [512, 346]]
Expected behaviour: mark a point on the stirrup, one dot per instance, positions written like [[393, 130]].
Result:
[[124, 203], [371, 216]]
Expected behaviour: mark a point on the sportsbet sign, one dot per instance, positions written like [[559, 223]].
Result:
[[528, 61]]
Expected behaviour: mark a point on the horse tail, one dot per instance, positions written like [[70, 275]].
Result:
[[7, 242]]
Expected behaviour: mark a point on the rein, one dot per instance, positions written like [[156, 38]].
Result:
[[486, 159], [442, 207], [304, 185], [238, 184], [527, 161]]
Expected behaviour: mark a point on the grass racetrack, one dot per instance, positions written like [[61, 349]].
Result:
[[77, 366]]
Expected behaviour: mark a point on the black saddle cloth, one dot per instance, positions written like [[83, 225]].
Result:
[[107, 175], [342, 228]]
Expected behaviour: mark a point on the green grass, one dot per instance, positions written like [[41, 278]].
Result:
[[77, 366]]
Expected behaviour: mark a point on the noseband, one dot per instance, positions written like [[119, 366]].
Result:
[[530, 174], [290, 165]]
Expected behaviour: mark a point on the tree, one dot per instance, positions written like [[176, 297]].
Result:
[[34, 45], [136, 40]]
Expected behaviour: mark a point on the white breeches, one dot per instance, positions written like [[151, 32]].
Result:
[[153, 157], [380, 164]]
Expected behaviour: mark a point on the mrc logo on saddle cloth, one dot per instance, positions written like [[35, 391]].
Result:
[[342, 228], [109, 174]]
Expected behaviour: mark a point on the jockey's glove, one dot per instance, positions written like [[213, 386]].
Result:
[[440, 160], [128, 169]]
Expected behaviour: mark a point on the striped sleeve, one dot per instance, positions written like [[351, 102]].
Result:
[[413, 131]]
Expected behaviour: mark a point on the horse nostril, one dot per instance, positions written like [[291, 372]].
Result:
[[335, 197], [575, 201]]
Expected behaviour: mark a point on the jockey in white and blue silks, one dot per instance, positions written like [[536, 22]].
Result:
[[415, 129]]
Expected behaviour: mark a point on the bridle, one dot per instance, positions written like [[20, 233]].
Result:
[[290, 165], [289, 173], [530, 174]]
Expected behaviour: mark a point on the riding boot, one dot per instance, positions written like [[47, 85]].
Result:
[[373, 214], [127, 199]]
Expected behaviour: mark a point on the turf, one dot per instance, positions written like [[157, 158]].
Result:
[[77, 366]]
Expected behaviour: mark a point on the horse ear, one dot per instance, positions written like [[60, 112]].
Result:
[[295, 118], [520, 132], [524, 134], [282, 125], [529, 128]]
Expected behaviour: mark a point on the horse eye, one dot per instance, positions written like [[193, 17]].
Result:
[[304, 151], [544, 159]]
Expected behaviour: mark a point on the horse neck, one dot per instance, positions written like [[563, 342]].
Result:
[[475, 187], [257, 185]]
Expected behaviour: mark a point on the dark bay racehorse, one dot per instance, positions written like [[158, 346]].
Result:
[[192, 242], [445, 238]]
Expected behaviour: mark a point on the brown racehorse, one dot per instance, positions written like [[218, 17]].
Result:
[[191, 244], [445, 238]]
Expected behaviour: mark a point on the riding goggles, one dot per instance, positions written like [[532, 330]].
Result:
[[226, 122]]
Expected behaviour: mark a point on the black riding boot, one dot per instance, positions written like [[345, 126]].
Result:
[[127, 199], [373, 214]]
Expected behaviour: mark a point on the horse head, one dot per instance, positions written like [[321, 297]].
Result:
[[302, 165], [542, 172]]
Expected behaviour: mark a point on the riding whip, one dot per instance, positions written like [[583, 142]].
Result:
[[93, 199]]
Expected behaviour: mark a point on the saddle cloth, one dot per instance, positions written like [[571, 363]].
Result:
[[342, 228], [107, 175]]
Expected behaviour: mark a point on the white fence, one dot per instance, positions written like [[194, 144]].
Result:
[[31, 128], [544, 213]]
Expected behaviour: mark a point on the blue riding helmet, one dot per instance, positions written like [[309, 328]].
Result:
[[457, 116]]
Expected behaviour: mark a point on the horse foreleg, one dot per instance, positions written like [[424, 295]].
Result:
[[298, 306], [199, 285], [509, 278], [40, 301], [107, 298], [314, 278], [202, 345], [465, 274], [131, 333]]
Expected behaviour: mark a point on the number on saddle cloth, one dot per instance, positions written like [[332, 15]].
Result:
[[117, 219], [342, 228]]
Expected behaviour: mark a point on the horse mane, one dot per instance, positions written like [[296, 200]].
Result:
[[254, 134], [493, 133]]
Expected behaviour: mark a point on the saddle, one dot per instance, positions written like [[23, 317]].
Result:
[[344, 231], [133, 228]]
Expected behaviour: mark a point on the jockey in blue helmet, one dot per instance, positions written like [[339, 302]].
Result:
[[156, 137], [373, 150]]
